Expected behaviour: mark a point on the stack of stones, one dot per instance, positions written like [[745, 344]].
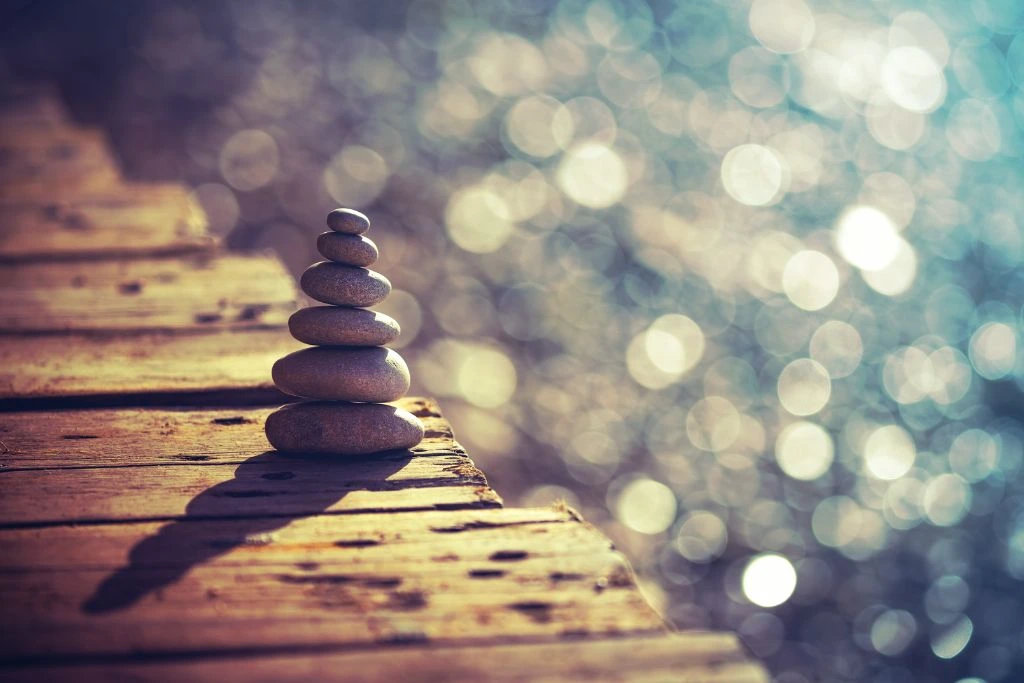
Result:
[[347, 373]]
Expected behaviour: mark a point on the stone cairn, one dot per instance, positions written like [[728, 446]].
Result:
[[347, 373]]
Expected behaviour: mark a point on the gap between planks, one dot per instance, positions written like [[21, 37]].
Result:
[[689, 657]]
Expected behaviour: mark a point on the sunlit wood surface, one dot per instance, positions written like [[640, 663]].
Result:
[[147, 532]]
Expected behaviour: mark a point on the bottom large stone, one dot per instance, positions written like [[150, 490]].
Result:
[[342, 428]]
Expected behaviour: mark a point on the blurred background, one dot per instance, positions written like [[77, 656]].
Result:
[[739, 279]]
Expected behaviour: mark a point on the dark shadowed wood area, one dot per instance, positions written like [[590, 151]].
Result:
[[147, 532]]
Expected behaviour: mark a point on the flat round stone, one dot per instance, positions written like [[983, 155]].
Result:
[[333, 283], [350, 250], [348, 221], [370, 375], [336, 326], [342, 428]]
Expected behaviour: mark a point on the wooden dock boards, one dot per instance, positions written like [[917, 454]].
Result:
[[67, 329], [108, 325], [236, 582], [168, 543], [273, 552]]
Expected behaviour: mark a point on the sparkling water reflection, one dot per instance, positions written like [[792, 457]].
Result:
[[741, 279]]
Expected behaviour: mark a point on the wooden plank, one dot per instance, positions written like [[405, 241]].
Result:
[[68, 615], [146, 294], [693, 657], [401, 482], [119, 437], [141, 369], [251, 481], [225, 579], [188, 587], [373, 538], [135, 220]]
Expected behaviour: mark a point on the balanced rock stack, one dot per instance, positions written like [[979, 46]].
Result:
[[347, 373]]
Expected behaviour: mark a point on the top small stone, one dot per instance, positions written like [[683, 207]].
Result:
[[348, 221]]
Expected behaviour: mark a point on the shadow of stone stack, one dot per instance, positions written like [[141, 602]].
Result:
[[347, 373]]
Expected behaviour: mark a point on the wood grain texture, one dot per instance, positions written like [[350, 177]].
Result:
[[195, 293], [198, 586], [373, 538], [247, 480], [148, 436], [133, 220], [142, 368], [256, 556], [251, 489], [692, 657]]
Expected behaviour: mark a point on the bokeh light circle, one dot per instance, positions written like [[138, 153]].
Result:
[[810, 280], [769, 580], [804, 387], [804, 451], [646, 506], [867, 238], [593, 174], [752, 174], [889, 452], [784, 26], [249, 159]]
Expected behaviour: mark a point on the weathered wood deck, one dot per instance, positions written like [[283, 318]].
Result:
[[147, 532]]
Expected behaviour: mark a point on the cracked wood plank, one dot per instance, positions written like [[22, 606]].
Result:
[[375, 538], [226, 577], [301, 584], [189, 294], [133, 220], [199, 586], [692, 657]]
